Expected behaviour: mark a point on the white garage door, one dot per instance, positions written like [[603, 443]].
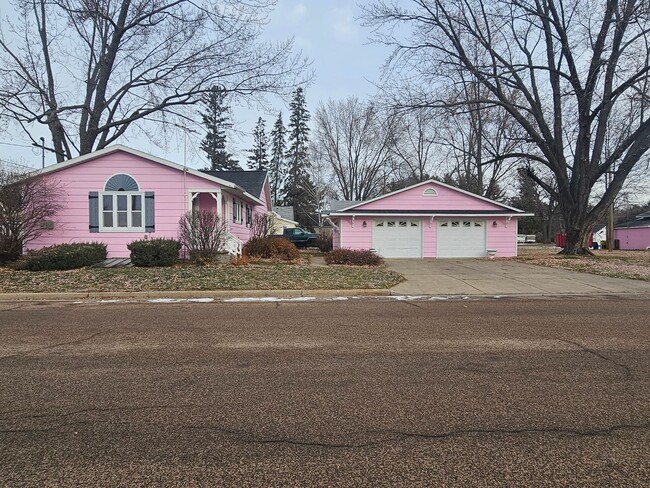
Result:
[[397, 238], [461, 238]]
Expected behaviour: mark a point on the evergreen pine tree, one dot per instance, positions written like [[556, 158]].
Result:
[[298, 188], [258, 158], [217, 122], [277, 165]]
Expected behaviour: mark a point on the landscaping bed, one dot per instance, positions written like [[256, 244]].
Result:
[[185, 277], [616, 264]]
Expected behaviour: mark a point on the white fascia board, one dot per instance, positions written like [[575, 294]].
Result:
[[430, 214], [119, 147], [435, 182]]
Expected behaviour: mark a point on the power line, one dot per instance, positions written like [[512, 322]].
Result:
[[17, 165], [14, 144]]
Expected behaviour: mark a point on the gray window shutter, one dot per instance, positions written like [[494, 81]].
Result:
[[149, 212], [93, 211]]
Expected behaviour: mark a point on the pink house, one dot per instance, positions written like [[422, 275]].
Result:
[[429, 219], [118, 195]]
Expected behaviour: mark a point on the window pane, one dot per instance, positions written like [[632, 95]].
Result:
[[136, 202], [444, 224], [122, 220], [380, 223], [455, 224], [108, 219], [390, 223], [122, 202], [467, 223], [477, 224], [136, 219], [107, 202], [402, 223], [414, 223]]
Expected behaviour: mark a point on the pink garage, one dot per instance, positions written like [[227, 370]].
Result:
[[429, 219], [634, 234], [118, 195]]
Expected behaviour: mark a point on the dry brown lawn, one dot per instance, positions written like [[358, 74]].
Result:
[[617, 264], [189, 277]]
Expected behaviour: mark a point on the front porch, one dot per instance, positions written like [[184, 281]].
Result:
[[217, 201]]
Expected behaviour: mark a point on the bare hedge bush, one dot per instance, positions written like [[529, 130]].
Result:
[[203, 235]]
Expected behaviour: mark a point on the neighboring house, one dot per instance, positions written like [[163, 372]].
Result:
[[118, 195], [284, 219], [634, 234], [600, 233], [428, 219]]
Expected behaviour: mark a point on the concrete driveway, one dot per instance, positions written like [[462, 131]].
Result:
[[500, 277]]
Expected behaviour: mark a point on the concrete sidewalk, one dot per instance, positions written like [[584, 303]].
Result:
[[501, 277]]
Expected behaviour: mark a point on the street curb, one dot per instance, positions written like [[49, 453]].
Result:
[[216, 294]]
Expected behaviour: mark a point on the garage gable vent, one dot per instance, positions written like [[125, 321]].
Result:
[[430, 192]]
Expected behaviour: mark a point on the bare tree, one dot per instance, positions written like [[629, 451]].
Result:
[[565, 70], [413, 144], [27, 206], [202, 234], [91, 70], [262, 225], [355, 140]]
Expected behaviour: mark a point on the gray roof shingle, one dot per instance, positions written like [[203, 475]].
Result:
[[251, 181]]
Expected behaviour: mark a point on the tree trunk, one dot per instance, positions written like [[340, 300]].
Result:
[[577, 241]]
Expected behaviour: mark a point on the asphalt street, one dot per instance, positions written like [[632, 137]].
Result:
[[376, 392]]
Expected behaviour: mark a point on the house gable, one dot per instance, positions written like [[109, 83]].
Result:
[[430, 196], [126, 153]]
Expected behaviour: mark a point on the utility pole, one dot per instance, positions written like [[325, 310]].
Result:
[[42, 152], [610, 216], [42, 147]]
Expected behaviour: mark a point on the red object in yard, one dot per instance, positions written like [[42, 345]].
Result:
[[560, 240]]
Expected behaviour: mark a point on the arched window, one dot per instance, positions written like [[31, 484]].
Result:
[[121, 182], [430, 192], [122, 205]]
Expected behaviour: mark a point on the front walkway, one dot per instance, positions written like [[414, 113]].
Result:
[[501, 277]]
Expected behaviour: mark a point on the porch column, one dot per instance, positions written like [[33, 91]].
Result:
[[217, 197]]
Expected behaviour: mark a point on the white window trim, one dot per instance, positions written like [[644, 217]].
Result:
[[238, 206], [129, 211]]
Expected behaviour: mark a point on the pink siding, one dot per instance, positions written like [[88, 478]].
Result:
[[413, 199], [503, 237], [207, 202], [169, 185], [633, 238], [355, 237], [429, 246]]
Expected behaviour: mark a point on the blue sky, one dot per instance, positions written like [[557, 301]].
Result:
[[326, 31]]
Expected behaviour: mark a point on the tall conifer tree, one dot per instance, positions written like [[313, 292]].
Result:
[[217, 122], [277, 165], [298, 188], [259, 158]]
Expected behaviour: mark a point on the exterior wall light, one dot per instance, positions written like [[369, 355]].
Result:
[[494, 223], [364, 225]]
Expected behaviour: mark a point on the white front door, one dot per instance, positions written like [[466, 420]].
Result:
[[397, 237], [461, 238]]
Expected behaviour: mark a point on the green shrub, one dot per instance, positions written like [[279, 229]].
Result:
[[154, 252], [324, 243], [64, 256], [271, 248], [354, 257]]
